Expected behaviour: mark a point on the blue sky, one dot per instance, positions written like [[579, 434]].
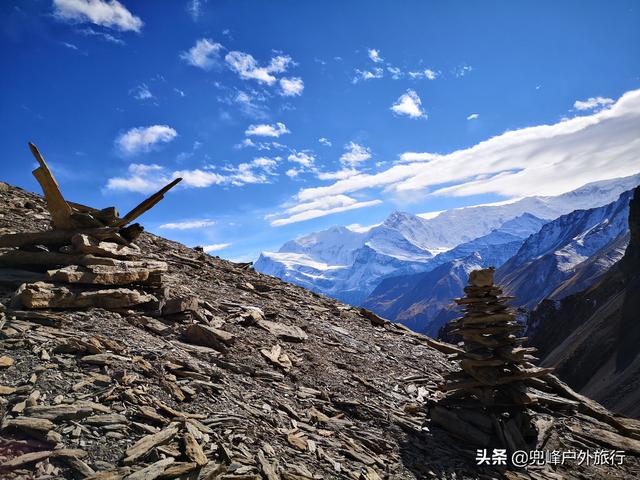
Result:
[[288, 117]]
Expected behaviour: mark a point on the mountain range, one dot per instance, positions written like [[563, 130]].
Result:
[[353, 266], [591, 337]]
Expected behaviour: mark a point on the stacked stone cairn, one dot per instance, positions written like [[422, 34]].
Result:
[[87, 259], [486, 401]]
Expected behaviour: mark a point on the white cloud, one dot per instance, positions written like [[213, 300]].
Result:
[[339, 175], [111, 14], [143, 139], [318, 208], [248, 68], [430, 74], [396, 73], [539, 160], [90, 32], [141, 92], [374, 55], [462, 70], [427, 73], [194, 8], [356, 227], [264, 130], [204, 54], [593, 103], [149, 178], [367, 74], [292, 172], [354, 154], [215, 247], [302, 158], [324, 141], [187, 225], [69, 45], [409, 104], [291, 87], [473, 116]]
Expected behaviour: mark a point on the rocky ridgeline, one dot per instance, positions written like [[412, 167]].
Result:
[[140, 358]]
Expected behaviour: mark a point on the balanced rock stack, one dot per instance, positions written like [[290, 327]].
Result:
[[486, 401], [86, 260]]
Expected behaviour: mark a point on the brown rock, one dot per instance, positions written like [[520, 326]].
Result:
[[47, 295], [151, 472], [123, 273], [290, 333], [142, 446], [208, 336], [5, 361], [193, 450], [86, 244], [181, 304]]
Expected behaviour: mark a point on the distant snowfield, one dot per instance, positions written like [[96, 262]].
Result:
[[348, 263]]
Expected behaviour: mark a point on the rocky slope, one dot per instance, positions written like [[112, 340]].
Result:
[[592, 337], [348, 265], [246, 377]]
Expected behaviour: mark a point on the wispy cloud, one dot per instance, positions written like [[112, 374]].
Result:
[[215, 247], [324, 141], [144, 139], [462, 70], [374, 55], [111, 14], [409, 104], [593, 103], [368, 74], [539, 160], [69, 45], [187, 225], [302, 158], [149, 178], [427, 73], [141, 92], [318, 208], [264, 130], [194, 8], [355, 154], [205, 54], [248, 68], [473, 116], [90, 32]]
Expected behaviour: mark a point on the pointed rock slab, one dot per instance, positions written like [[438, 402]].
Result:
[[180, 304], [151, 472], [32, 457], [208, 336], [276, 356], [123, 273], [27, 424], [83, 243], [193, 450], [144, 445], [47, 295], [59, 412], [5, 361], [178, 470], [290, 333]]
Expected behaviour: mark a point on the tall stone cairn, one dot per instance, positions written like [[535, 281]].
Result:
[[489, 394]]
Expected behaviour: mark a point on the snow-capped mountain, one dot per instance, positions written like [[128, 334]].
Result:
[[423, 301], [348, 265], [563, 248]]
